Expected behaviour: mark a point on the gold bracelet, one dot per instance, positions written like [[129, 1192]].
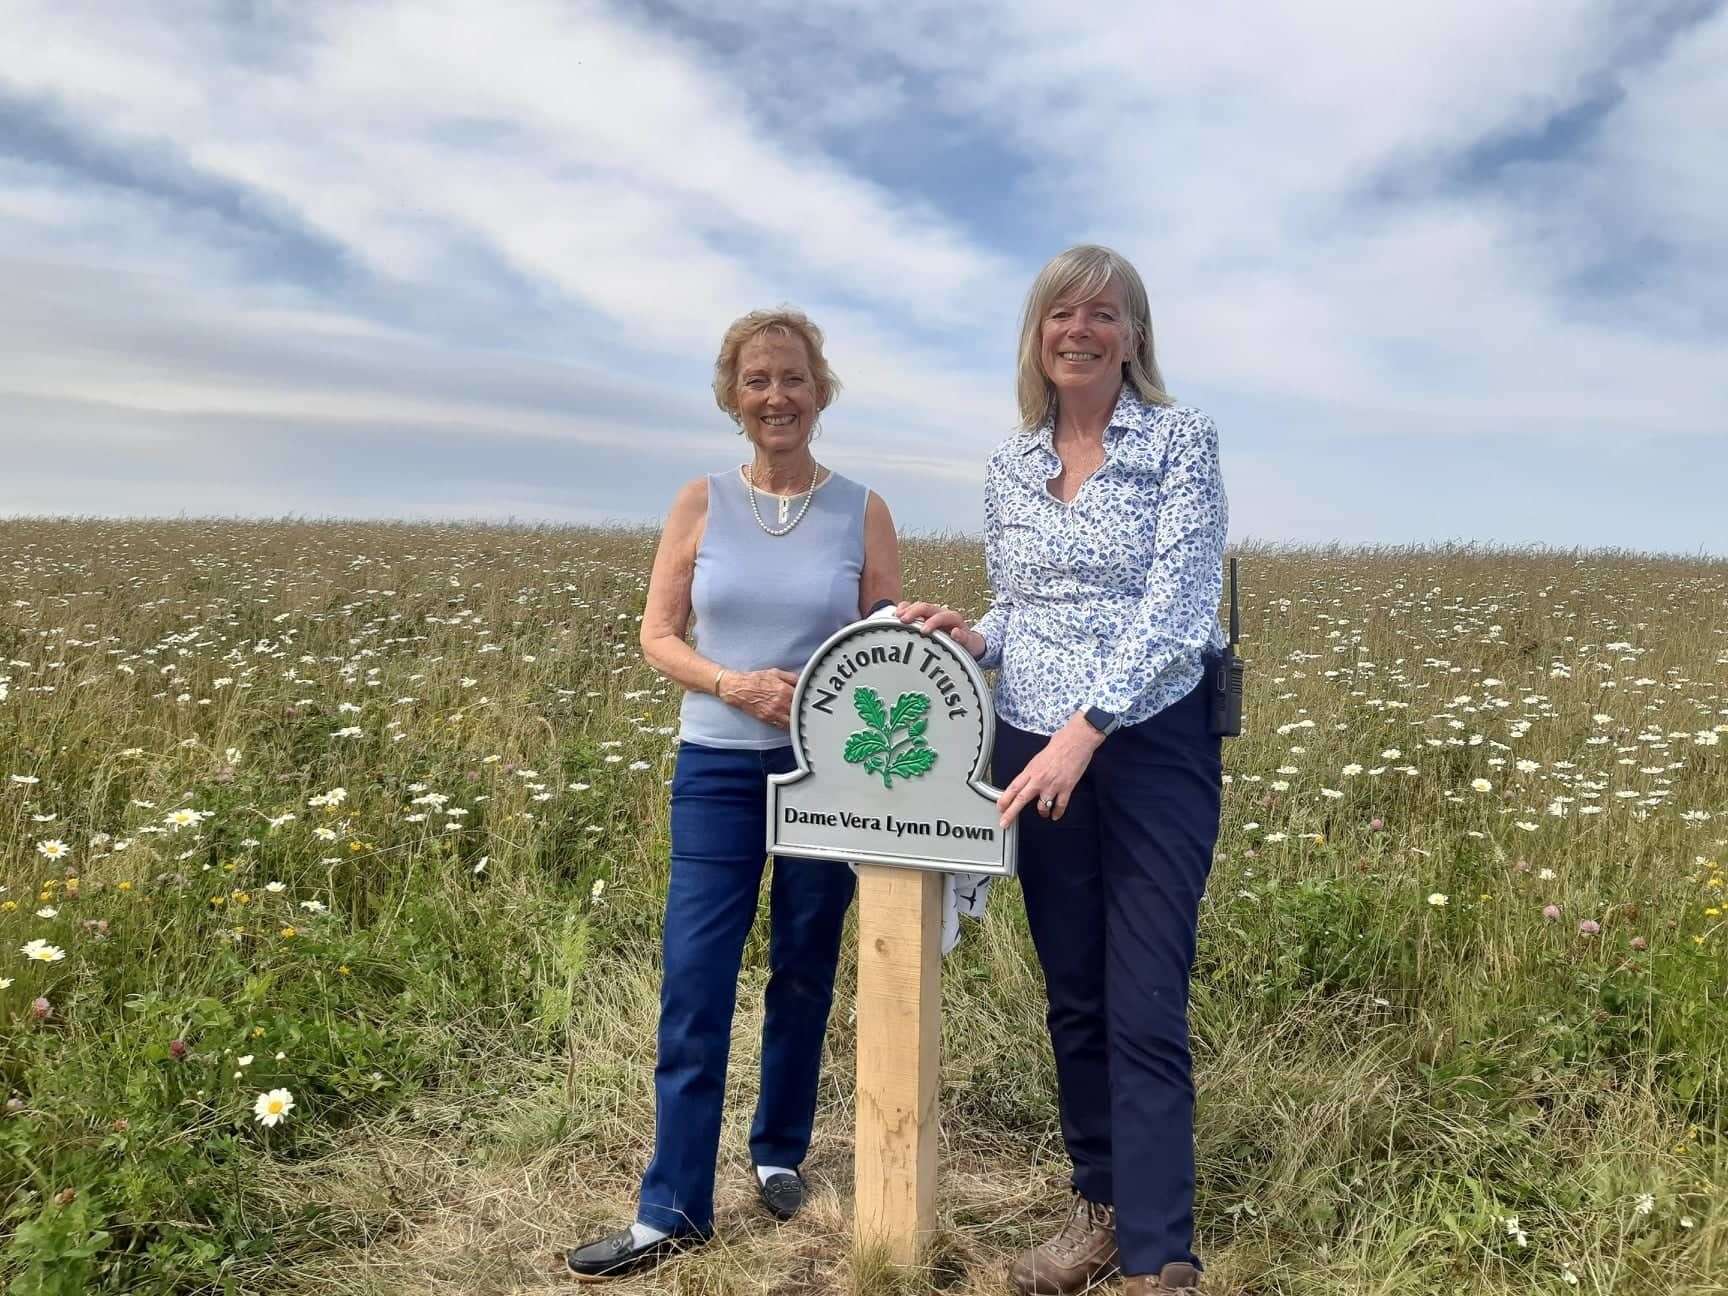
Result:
[[717, 677]]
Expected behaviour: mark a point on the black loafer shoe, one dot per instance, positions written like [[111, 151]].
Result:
[[617, 1254], [783, 1194]]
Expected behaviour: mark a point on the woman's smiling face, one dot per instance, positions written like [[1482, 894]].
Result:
[[776, 395], [1083, 344]]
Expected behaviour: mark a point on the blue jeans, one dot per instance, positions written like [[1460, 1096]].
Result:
[[1113, 899], [719, 825]]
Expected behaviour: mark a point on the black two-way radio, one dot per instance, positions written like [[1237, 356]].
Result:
[[1227, 686]]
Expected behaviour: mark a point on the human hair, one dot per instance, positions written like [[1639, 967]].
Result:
[[783, 322], [1078, 275]]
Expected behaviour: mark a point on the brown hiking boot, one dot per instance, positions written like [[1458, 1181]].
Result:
[[1175, 1276], [1083, 1253]]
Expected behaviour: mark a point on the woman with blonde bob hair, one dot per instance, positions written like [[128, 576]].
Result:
[[1105, 522], [770, 557]]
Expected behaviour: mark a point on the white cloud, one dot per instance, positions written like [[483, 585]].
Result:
[[586, 181], [666, 214], [1656, 180], [1235, 150], [536, 224]]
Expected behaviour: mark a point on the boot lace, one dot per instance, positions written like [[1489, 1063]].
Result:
[[1083, 1220]]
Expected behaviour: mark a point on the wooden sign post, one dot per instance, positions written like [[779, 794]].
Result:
[[899, 1058], [892, 731]]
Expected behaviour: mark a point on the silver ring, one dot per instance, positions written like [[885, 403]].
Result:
[[1047, 802]]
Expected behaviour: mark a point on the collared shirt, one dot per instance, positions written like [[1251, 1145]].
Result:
[[1110, 600]]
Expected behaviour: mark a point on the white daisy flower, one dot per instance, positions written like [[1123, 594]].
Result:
[[272, 1108]]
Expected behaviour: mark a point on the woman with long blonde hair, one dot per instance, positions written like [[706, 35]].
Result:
[[1105, 521]]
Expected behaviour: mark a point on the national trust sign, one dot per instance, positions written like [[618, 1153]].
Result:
[[892, 731]]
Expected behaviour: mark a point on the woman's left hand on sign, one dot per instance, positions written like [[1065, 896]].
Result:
[[1049, 777], [765, 694], [936, 617]]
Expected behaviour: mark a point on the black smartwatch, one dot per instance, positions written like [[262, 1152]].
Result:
[[1105, 722]]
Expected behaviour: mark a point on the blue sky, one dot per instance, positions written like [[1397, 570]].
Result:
[[1439, 272]]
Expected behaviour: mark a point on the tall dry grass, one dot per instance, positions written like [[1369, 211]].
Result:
[[1396, 1095]]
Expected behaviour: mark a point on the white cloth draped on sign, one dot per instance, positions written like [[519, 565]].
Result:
[[964, 895]]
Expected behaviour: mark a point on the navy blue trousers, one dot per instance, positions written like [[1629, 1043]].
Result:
[[719, 825], [1113, 896]]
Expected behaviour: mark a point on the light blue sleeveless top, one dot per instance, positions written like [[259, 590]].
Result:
[[762, 601]]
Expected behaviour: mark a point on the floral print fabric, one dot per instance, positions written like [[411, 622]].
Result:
[[1109, 600]]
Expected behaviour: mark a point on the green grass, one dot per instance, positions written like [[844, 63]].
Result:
[[467, 1029]]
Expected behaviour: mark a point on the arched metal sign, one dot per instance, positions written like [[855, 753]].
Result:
[[892, 731]]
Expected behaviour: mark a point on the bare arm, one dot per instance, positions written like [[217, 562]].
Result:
[[765, 694], [666, 617], [881, 576]]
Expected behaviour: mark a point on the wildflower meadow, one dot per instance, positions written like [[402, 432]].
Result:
[[332, 855]]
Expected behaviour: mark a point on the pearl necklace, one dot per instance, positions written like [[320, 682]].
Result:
[[809, 495]]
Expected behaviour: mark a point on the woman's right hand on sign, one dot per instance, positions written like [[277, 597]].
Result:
[[936, 617], [765, 694]]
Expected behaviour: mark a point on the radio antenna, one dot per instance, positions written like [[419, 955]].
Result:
[[1235, 607]]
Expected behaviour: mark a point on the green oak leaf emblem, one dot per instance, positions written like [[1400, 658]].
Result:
[[880, 749]]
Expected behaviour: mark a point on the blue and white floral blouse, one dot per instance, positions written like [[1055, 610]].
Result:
[[1112, 599]]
